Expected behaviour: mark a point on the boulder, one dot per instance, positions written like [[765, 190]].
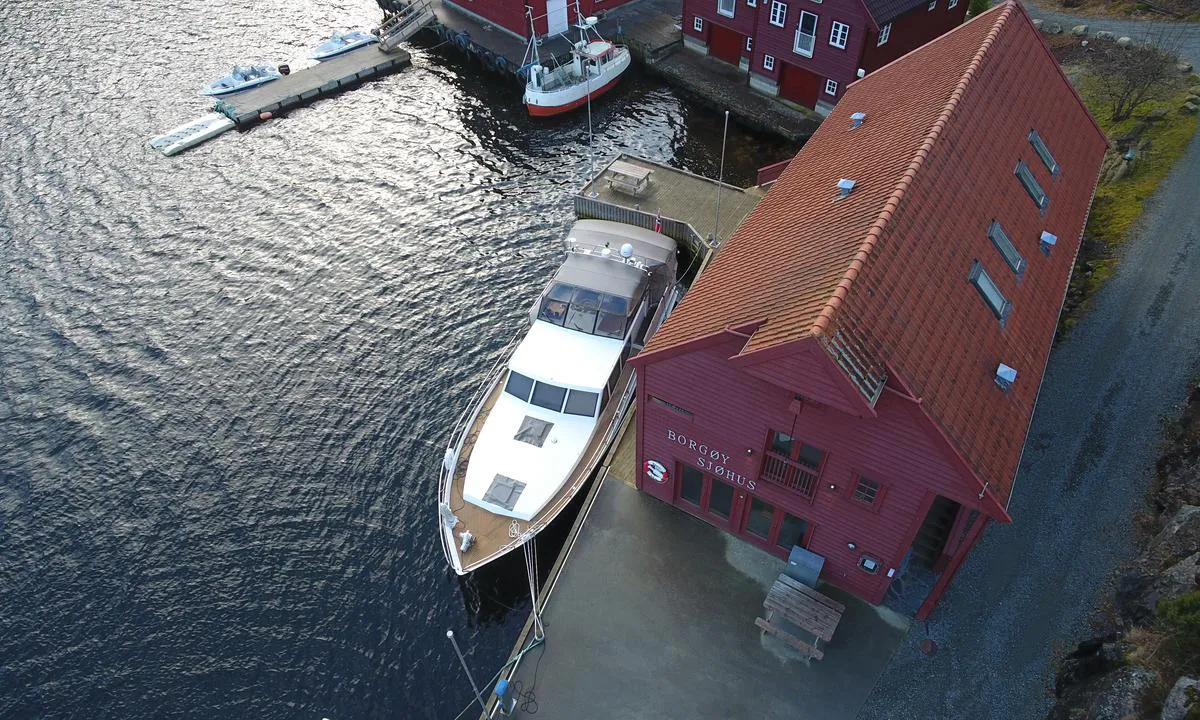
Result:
[[1194, 90], [1038, 24], [1183, 696], [1139, 590], [1189, 108], [1179, 537], [1193, 99], [1184, 68], [1079, 30], [1114, 696], [1104, 35], [1054, 29], [1091, 658], [1156, 114], [1124, 41]]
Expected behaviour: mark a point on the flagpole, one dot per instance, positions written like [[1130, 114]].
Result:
[[721, 180]]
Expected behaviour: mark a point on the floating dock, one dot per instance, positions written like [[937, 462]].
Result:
[[303, 86], [192, 133]]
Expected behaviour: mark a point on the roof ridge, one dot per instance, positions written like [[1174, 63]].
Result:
[[821, 325]]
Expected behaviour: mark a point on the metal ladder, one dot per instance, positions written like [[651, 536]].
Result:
[[404, 24]]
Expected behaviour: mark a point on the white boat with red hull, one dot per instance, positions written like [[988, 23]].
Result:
[[594, 68]]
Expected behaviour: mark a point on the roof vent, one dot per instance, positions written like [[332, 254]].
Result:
[[1047, 242], [857, 118], [844, 187], [1005, 377]]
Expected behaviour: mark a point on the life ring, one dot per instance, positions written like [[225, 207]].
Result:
[[460, 40], [501, 64], [488, 59]]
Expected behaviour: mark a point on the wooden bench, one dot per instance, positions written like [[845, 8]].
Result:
[[628, 178], [804, 607]]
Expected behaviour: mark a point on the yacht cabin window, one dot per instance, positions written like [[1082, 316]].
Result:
[[548, 396], [518, 385], [581, 402]]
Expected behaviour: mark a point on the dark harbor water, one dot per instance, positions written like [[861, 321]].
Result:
[[227, 377]]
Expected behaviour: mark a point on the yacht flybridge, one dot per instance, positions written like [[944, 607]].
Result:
[[547, 414]]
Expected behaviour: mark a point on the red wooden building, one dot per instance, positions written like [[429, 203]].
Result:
[[551, 16], [809, 51], [841, 376]]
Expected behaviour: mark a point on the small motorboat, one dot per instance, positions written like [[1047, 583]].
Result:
[[339, 43], [241, 78]]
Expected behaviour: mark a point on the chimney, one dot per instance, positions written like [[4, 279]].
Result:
[[1047, 242], [1005, 377]]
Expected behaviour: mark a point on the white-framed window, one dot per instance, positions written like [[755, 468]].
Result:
[[768, 62], [749, 44], [1031, 185], [932, 5], [995, 300], [778, 13], [839, 34], [806, 34], [726, 7], [884, 33], [830, 87], [754, 3], [952, 4], [698, 24]]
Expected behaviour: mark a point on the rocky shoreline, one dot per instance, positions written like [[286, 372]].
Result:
[[1145, 664]]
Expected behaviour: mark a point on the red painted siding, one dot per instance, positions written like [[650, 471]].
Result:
[[806, 375], [734, 411], [912, 30], [510, 14]]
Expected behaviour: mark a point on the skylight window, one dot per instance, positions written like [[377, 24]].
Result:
[[1039, 146], [1007, 249], [996, 302], [1030, 183]]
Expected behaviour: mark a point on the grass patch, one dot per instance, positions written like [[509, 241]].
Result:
[[1118, 205]]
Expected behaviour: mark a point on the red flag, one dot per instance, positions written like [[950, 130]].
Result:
[[658, 222]]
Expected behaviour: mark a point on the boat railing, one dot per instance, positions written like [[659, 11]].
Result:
[[461, 429]]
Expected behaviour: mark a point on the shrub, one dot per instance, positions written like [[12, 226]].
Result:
[[1180, 616]]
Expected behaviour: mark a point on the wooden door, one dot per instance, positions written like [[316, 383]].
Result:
[[725, 44], [799, 85]]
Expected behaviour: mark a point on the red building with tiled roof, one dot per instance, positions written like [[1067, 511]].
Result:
[[842, 376], [809, 51]]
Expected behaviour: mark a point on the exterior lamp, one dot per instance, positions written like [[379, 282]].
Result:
[[851, 545], [749, 452]]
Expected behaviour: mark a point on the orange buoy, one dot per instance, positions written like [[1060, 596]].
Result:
[[264, 115]]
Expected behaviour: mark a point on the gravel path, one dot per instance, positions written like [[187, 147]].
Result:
[[1187, 33], [1024, 595]]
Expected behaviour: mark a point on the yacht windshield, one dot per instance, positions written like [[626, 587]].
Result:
[[518, 385], [549, 396], [581, 402], [588, 311]]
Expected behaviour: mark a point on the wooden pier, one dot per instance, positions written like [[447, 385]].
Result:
[[303, 86]]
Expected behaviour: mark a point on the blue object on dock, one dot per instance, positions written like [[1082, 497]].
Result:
[[502, 688]]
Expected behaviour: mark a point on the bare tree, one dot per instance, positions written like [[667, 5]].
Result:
[[1126, 77]]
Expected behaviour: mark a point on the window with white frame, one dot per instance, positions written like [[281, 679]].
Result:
[[884, 33], [698, 24], [726, 7], [806, 34], [1031, 185], [952, 4], [933, 6], [830, 87], [749, 44], [995, 300], [778, 13], [839, 34], [768, 62], [1039, 146], [754, 3]]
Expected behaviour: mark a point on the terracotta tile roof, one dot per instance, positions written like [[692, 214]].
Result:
[[888, 265]]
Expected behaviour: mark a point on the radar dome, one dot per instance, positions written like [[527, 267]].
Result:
[[627, 251]]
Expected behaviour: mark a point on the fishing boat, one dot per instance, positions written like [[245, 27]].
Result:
[[594, 68], [240, 79], [548, 411], [341, 42]]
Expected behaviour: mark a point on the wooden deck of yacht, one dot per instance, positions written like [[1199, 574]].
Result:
[[493, 533]]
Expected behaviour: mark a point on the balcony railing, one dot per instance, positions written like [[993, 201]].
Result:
[[790, 474]]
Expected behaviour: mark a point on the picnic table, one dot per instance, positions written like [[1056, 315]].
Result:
[[628, 178], [802, 606]]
